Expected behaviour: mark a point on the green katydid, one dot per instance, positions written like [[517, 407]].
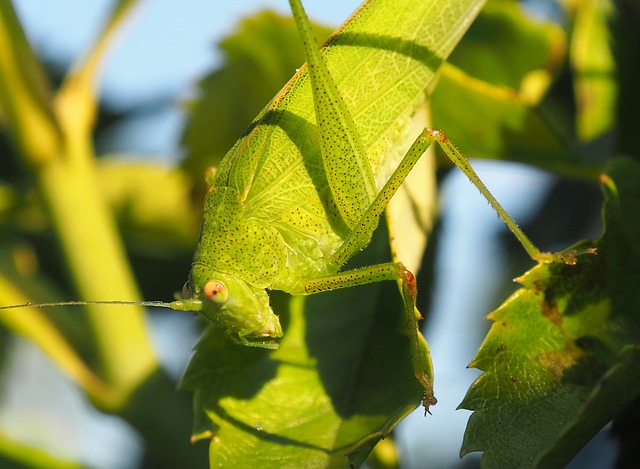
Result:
[[297, 197]]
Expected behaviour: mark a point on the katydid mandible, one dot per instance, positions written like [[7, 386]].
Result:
[[288, 216]]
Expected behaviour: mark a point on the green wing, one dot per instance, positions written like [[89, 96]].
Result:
[[382, 77]]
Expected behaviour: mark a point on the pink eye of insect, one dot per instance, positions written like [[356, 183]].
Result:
[[216, 292]]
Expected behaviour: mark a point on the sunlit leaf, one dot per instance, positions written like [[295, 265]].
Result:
[[593, 63], [17, 455], [526, 46], [411, 212], [503, 124]]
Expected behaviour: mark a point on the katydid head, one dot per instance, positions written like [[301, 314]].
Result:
[[241, 310]]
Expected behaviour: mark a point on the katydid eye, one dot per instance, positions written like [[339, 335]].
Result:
[[216, 292], [186, 291]]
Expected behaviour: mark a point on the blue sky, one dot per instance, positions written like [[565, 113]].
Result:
[[163, 48]]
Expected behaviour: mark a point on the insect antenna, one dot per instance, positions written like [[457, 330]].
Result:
[[155, 304]]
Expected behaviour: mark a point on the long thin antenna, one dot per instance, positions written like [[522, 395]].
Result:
[[154, 304]]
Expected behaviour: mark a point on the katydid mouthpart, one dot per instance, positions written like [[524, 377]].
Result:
[[300, 194]]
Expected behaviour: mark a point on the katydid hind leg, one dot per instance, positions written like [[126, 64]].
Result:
[[370, 217], [344, 157], [460, 160]]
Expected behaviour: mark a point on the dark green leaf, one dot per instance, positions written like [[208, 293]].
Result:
[[561, 358], [339, 382]]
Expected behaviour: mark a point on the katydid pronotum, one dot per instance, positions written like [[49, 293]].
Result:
[[290, 221]]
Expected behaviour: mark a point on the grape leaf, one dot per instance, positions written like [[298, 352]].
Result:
[[561, 357]]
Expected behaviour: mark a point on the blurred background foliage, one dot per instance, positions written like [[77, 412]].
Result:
[[548, 84]]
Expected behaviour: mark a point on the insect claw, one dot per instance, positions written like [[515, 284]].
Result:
[[567, 257]]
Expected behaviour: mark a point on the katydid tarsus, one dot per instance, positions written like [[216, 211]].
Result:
[[290, 221]]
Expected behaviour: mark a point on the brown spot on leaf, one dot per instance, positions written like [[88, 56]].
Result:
[[558, 361], [538, 285], [551, 311]]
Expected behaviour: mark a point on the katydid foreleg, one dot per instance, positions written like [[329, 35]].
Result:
[[420, 355]]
